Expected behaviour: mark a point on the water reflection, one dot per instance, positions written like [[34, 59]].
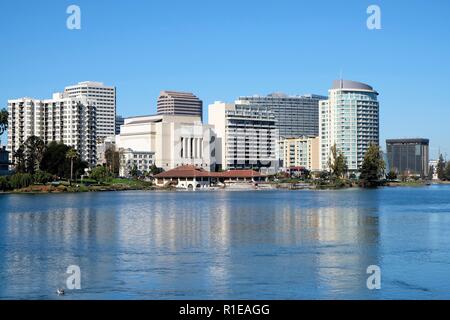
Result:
[[216, 245]]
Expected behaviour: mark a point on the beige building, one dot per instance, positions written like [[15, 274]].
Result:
[[301, 152], [175, 140], [180, 103]]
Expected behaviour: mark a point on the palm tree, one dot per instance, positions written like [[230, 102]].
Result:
[[71, 154]]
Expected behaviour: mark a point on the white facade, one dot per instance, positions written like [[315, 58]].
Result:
[[175, 140], [129, 159], [349, 119], [70, 120], [105, 98], [247, 136]]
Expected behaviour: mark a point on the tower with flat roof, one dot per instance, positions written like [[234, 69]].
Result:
[[180, 103]]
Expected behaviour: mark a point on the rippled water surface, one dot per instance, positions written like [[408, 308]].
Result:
[[227, 245]]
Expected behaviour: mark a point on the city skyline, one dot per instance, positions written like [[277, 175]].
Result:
[[405, 60]]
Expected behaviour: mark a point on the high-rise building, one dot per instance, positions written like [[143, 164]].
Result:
[[180, 103], [300, 152], [349, 119], [105, 98], [408, 156], [70, 120], [247, 136], [120, 121], [297, 116]]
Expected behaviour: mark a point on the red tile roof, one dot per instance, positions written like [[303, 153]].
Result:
[[184, 172], [238, 174], [192, 171]]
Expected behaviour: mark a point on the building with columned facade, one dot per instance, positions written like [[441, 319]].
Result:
[[175, 140]]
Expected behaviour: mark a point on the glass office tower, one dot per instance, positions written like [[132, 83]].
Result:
[[297, 116], [408, 156]]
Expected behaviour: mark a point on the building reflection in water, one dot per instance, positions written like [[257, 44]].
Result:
[[40, 239], [215, 245]]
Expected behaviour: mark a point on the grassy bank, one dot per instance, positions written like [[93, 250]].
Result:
[[87, 186]]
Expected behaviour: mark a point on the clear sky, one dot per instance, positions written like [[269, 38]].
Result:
[[223, 49]]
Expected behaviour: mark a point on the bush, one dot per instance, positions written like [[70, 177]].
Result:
[[100, 174], [21, 180], [4, 184], [42, 177]]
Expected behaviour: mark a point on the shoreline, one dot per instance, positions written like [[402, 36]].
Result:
[[50, 189]]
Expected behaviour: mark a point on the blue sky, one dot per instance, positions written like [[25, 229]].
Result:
[[223, 49]]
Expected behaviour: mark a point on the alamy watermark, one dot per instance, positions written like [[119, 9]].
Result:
[[74, 280], [374, 280], [374, 19], [74, 20]]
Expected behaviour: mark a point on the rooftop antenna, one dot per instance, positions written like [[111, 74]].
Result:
[[342, 79]]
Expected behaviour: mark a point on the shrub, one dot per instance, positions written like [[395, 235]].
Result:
[[100, 174], [42, 177], [4, 184], [21, 180]]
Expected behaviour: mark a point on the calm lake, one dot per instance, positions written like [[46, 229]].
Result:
[[227, 245]]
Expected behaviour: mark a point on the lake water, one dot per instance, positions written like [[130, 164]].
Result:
[[228, 245]]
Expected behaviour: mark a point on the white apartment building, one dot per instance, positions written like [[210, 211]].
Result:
[[175, 140], [247, 136], [349, 119], [105, 98], [70, 120], [300, 152], [130, 159]]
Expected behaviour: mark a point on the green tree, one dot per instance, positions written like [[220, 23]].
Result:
[[155, 170], [100, 174], [134, 172], [71, 154], [42, 177], [112, 157], [447, 171], [372, 168], [4, 183], [441, 168], [55, 161], [21, 180], [20, 159], [3, 121], [337, 163], [34, 152], [392, 175], [430, 173]]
